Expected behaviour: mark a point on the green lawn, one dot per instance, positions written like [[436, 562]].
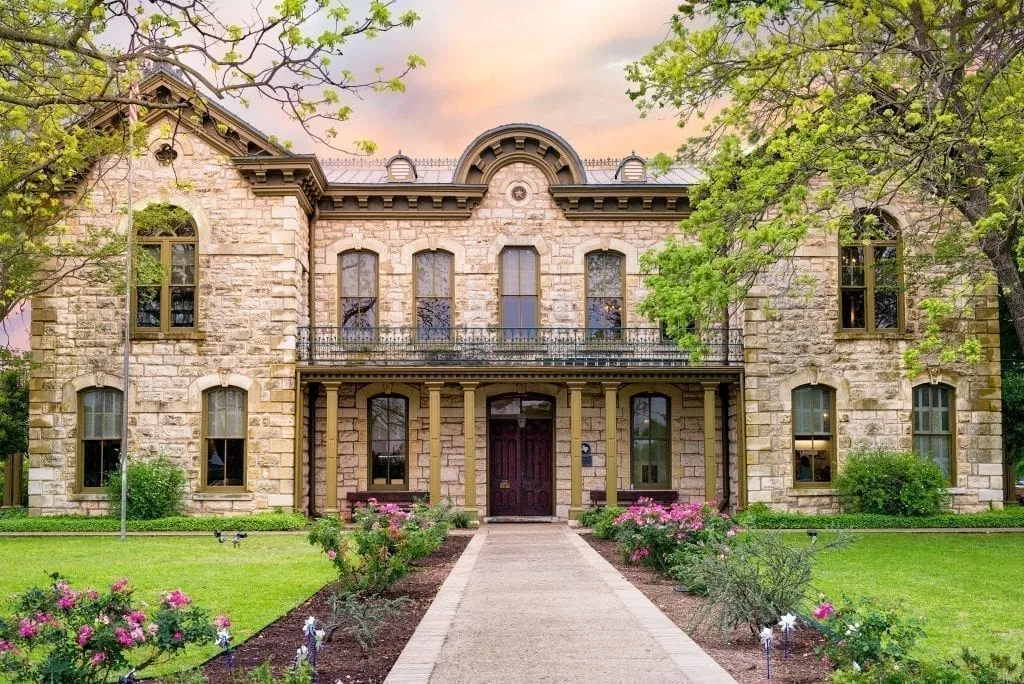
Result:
[[253, 584], [968, 587]]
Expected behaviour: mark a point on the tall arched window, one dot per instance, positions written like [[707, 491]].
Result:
[[520, 282], [933, 426], [225, 428], [389, 441], [434, 275], [871, 278], [605, 294], [358, 288], [814, 437], [99, 436], [650, 444], [165, 298]]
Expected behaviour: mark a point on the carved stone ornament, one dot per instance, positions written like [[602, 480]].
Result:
[[166, 154], [813, 372], [933, 375], [225, 376], [100, 379]]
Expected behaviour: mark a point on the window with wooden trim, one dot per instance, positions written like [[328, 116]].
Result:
[[358, 289], [520, 282], [606, 294], [933, 426], [434, 273], [226, 428], [871, 278], [164, 298], [814, 438], [389, 441], [99, 436], [650, 446]]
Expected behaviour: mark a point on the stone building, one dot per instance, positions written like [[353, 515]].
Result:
[[468, 328]]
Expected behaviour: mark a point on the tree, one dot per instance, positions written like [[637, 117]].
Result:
[[64, 61], [814, 108], [13, 406]]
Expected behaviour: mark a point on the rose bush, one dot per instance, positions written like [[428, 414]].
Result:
[[654, 535]]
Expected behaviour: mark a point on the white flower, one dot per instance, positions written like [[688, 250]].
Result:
[[223, 638], [856, 667], [301, 654], [787, 622], [766, 637], [310, 626], [318, 638]]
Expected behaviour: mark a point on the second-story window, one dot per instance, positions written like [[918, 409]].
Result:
[[358, 305], [165, 301], [870, 276], [605, 296], [519, 286], [433, 295]]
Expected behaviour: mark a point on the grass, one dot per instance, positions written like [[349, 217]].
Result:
[[253, 584], [968, 587]]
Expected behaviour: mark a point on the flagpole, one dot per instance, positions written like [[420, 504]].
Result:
[[132, 120]]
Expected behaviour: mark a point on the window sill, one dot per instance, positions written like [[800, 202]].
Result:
[[854, 335], [810, 491], [158, 335], [956, 490], [222, 496], [89, 496]]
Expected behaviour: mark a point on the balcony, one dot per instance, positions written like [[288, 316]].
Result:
[[575, 347]]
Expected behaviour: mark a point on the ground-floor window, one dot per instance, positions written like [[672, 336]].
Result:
[[225, 427], [650, 442], [389, 441], [99, 436], [933, 432], [813, 434]]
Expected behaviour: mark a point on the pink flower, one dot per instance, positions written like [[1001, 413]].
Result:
[[46, 619], [84, 632], [98, 658], [176, 599], [135, 618], [123, 637], [67, 601], [28, 629], [823, 611], [222, 621], [332, 554], [153, 628], [177, 636], [640, 554], [7, 647], [138, 636], [119, 585], [92, 594]]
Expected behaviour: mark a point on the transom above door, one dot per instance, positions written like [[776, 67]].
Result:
[[520, 453]]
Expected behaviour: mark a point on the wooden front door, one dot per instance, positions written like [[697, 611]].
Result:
[[521, 468]]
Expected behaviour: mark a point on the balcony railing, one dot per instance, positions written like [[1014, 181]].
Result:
[[510, 346]]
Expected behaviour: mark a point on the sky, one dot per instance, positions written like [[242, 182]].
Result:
[[556, 63]]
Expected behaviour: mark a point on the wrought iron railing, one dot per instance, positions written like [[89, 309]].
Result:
[[510, 346]]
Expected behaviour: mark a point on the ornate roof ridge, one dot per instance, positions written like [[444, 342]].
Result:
[[449, 162]]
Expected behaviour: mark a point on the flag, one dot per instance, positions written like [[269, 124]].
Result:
[[133, 109]]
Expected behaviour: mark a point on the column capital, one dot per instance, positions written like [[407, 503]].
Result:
[[332, 385], [610, 386], [434, 385], [469, 386], [709, 386], [576, 384]]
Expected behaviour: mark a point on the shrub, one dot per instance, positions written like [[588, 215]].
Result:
[[62, 636], [363, 618], [650, 533], [891, 483], [758, 578], [601, 520], [864, 637], [249, 522], [460, 519], [1008, 517], [156, 489]]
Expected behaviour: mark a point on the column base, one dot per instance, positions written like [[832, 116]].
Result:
[[575, 513]]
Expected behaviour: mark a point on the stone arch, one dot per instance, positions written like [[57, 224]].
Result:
[[357, 242], [485, 392], [407, 391], [502, 241], [625, 456], [431, 243], [199, 216], [96, 379], [503, 145], [606, 244], [224, 378]]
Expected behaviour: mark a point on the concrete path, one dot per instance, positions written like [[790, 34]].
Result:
[[535, 603]]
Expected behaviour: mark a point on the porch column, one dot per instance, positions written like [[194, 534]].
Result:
[[710, 470], [435, 441], [297, 463], [12, 481], [611, 454], [331, 483], [469, 442], [576, 448]]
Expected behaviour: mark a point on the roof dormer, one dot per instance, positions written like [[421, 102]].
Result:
[[400, 169], [632, 169]]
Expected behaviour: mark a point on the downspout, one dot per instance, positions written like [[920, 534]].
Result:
[[723, 399]]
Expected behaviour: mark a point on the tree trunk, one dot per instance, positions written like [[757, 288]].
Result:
[[999, 253]]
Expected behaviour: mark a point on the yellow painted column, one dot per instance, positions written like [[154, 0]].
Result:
[[469, 442], [611, 452], [297, 464], [741, 442], [434, 427], [710, 468], [331, 482], [576, 448]]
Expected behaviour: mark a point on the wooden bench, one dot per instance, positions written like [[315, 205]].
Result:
[[628, 497], [403, 499]]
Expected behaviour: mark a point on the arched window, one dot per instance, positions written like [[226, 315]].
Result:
[[650, 446], [871, 276], [933, 426], [520, 283], [99, 436], [225, 429], [165, 298], [433, 295], [358, 288], [605, 295], [389, 441], [814, 437]]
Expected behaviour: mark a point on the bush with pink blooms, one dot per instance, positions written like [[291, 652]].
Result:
[[654, 535], [63, 636]]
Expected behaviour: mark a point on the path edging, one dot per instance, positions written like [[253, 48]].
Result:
[[416, 662]]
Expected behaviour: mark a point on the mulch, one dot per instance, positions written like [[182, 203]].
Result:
[[341, 658], [738, 651]]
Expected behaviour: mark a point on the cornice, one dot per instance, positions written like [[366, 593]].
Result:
[[297, 175], [458, 374], [620, 201], [400, 201]]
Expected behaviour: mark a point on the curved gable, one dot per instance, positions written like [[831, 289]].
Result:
[[493, 149]]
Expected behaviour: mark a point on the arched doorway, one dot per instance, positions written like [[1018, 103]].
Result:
[[520, 429]]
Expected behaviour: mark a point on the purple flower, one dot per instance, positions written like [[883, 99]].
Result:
[[123, 637], [119, 585], [98, 658], [84, 632], [176, 599], [823, 611], [28, 629]]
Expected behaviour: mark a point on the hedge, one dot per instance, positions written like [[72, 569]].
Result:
[[1010, 517], [257, 522]]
